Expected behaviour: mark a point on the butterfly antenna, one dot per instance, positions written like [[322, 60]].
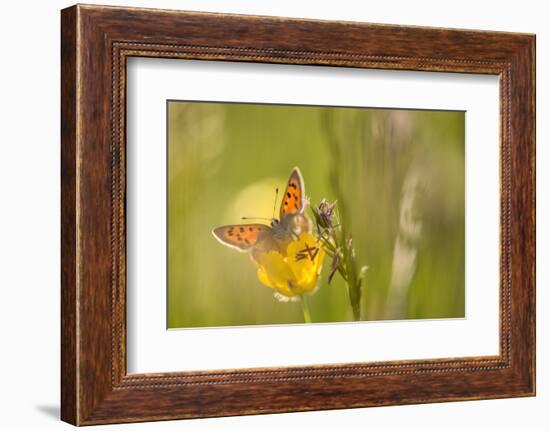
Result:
[[275, 202], [265, 218]]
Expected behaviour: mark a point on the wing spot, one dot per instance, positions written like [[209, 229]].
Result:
[[286, 202], [250, 229], [288, 194], [295, 197], [229, 233], [241, 229], [247, 241]]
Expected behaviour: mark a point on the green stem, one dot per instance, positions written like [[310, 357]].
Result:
[[305, 309]]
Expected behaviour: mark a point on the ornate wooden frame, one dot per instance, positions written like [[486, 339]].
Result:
[[95, 43]]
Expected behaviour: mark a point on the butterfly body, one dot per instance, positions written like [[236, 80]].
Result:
[[258, 237], [291, 225]]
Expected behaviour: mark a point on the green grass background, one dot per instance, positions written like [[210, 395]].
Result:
[[398, 175]]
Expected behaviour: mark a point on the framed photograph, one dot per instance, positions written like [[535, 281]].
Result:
[[266, 215]]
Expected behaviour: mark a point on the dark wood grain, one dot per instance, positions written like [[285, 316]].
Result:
[[69, 366], [96, 41]]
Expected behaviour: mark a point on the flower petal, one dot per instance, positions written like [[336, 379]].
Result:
[[305, 259], [262, 276], [274, 272]]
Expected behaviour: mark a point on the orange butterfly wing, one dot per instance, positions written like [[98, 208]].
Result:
[[293, 198], [241, 237]]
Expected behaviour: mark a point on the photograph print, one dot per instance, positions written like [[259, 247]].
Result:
[[293, 214]]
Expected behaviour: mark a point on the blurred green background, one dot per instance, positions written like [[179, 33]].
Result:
[[399, 179]]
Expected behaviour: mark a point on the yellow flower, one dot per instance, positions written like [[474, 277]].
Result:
[[295, 270]]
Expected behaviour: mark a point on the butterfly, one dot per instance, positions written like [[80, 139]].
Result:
[[257, 237]]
